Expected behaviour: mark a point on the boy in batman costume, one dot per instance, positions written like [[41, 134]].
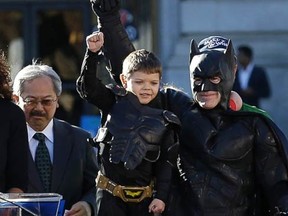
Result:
[[138, 143], [231, 163]]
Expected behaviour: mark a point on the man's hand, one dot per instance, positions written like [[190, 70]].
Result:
[[105, 7], [79, 209], [95, 41]]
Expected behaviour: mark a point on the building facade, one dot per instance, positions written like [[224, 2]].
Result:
[[49, 30]]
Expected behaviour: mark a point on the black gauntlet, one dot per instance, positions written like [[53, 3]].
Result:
[[105, 10]]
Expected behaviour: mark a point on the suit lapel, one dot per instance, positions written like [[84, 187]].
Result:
[[62, 150]]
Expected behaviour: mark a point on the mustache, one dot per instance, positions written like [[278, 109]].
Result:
[[37, 113]]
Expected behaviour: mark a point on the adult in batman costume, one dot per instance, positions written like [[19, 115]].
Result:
[[230, 163]]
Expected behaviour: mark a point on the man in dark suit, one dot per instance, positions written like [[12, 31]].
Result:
[[71, 168], [251, 81]]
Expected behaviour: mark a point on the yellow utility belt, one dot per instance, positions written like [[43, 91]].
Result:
[[127, 194]]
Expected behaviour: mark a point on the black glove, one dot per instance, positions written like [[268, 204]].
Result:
[[104, 8]]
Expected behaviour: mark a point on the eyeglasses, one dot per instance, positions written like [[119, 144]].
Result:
[[44, 102]]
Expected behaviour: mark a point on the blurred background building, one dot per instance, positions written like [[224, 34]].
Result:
[[54, 31]]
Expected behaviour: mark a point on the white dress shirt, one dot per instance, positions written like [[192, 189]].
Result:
[[244, 75]]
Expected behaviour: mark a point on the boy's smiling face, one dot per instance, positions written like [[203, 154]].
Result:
[[145, 86]]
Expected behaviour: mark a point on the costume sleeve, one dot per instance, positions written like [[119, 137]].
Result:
[[271, 164], [176, 101], [117, 44], [89, 86], [166, 164]]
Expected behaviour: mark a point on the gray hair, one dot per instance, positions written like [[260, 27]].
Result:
[[34, 71]]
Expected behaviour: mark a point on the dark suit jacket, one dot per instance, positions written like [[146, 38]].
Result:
[[74, 166], [258, 81]]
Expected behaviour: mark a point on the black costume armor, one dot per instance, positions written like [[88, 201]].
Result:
[[231, 163], [135, 131]]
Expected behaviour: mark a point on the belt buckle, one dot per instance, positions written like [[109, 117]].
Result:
[[134, 194]]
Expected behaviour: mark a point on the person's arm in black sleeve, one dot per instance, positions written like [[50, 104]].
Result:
[[17, 151], [88, 84], [117, 44], [166, 163], [176, 101], [163, 177], [271, 166]]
